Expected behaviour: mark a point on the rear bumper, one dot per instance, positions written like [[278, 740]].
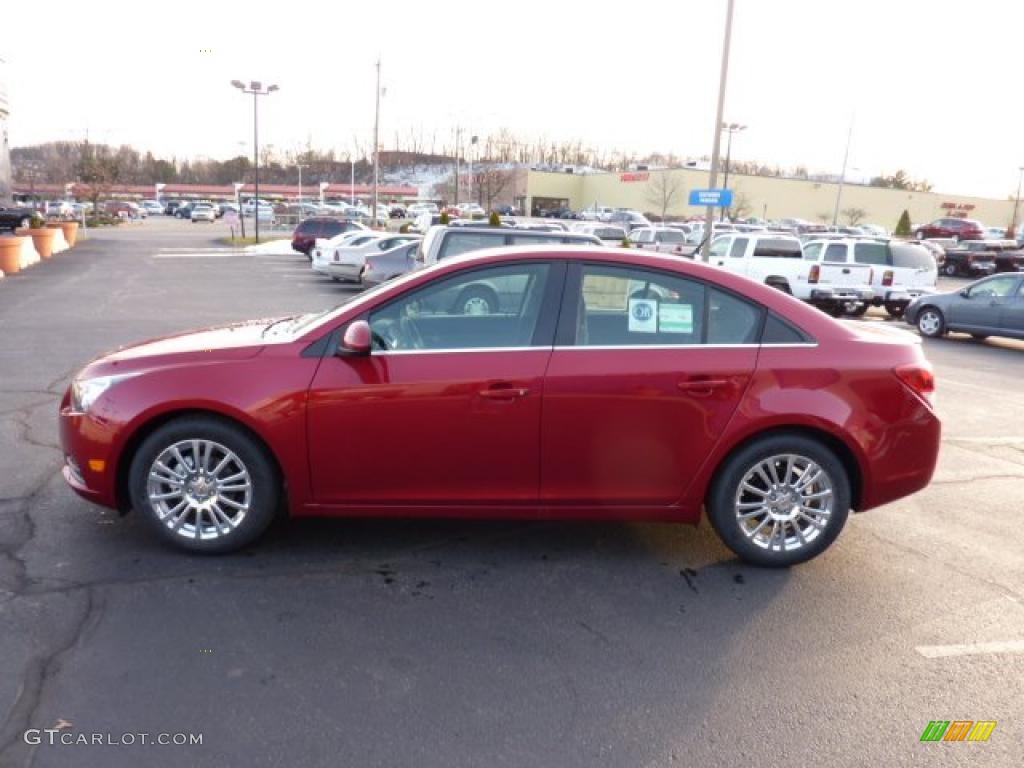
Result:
[[841, 294]]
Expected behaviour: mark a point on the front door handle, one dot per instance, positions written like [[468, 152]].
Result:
[[504, 392], [702, 386]]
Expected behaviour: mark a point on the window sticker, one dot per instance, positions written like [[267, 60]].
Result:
[[675, 318], [643, 316]]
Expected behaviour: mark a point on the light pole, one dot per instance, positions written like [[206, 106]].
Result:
[[723, 76], [1012, 233], [376, 147], [257, 89], [842, 176], [300, 166], [729, 128], [469, 154]]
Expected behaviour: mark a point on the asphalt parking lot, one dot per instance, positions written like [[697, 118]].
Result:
[[395, 643]]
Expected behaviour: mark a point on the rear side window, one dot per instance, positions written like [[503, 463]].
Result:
[[778, 248], [739, 247], [912, 256], [778, 331], [671, 236], [643, 236], [332, 228], [812, 251], [732, 320], [456, 243], [872, 253]]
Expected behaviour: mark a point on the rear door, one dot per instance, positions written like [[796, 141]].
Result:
[[839, 271], [914, 267], [647, 369], [1012, 316]]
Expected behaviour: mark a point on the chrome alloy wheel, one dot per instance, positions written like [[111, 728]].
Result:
[[199, 489], [930, 322], [784, 502], [477, 305]]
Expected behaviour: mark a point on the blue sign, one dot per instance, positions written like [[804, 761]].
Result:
[[716, 198]]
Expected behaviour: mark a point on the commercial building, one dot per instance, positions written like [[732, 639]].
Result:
[[766, 197]]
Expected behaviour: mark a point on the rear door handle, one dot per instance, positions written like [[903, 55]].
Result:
[[504, 392], [702, 386]]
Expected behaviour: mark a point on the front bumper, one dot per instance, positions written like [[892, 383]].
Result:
[[90, 463]]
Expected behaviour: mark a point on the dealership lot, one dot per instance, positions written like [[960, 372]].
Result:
[[460, 643]]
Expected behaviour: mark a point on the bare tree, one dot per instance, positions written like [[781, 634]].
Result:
[[740, 205], [490, 184], [664, 191], [854, 216], [823, 216]]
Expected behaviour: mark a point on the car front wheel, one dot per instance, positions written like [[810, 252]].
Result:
[[895, 309], [780, 500], [950, 269], [931, 323], [204, 485]]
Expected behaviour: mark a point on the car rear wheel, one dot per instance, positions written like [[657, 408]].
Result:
[[931, 323], [204, 485], [955, 239], [780, 500], [895, 309], [950, 270], [24, 223], [919, 234], [856, 309]]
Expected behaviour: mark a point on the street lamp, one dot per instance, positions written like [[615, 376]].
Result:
[[1012, 233], [729, 128], [723, 76], [300, 166], [257, 89], [469, 154]]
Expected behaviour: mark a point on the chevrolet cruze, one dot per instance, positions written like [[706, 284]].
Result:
[[596, 384]]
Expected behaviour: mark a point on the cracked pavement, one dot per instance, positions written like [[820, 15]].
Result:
[[439, 643]]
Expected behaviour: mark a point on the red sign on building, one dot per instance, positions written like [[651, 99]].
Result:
[[635, 176]]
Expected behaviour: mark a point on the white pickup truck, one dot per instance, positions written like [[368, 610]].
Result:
[[778, 260], [900, 271]]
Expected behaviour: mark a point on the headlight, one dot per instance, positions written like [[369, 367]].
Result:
[[85, 391]]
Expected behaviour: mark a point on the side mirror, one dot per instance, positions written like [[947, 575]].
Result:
[[966, 293], [357, 339]]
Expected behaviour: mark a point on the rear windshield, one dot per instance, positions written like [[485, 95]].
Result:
[[778, 248], [610, 233], [913, 256], [871, 253], [672, 236]]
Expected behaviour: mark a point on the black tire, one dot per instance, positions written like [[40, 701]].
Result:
[[266, 484], [474, 298], [934, 332], [24, 223], [919, 234], [979, 336], [859, 310], [895, 309], [834, 309], [950, 270], [724, 488]]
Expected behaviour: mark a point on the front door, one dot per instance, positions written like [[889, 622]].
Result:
[[445, 411], [980, 309], [1012, 317], [647, 370]]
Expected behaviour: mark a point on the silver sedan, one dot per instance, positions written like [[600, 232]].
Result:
[[993, 306]]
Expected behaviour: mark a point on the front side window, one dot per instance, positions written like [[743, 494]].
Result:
[[495, 307], [739, 248], [778, 248], [720, 247], [997, 287], [642, 236], [624, 306], [671, 236]]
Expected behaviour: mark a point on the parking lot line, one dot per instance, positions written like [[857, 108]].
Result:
[[970, 649]]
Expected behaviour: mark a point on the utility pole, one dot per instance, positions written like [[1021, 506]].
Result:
[[376, 158], [842, 176], [458, 134], [1011, 233], [709, 215], [469, 155], [731, 128], [300, 166]]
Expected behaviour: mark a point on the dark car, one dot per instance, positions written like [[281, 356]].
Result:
[[604, 384], [953, 229], [319, 228], [13, 218], [172, 206], [506, 210], [184, 210], [993, 306]]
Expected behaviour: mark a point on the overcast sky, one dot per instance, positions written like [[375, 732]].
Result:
[[935, 86]]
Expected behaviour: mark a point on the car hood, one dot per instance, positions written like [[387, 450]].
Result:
[[227, 342]]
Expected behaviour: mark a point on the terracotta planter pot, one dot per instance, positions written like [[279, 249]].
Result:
[[70, 229], [42, 239], [10, 254]]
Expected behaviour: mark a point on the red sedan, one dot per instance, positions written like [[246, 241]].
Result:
[[611, 384], [955, 229]]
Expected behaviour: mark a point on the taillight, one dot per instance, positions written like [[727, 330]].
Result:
[[814, 274], [918, 377], [887, 277]]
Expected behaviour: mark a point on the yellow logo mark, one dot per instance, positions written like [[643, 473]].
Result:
[[982, 730]]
